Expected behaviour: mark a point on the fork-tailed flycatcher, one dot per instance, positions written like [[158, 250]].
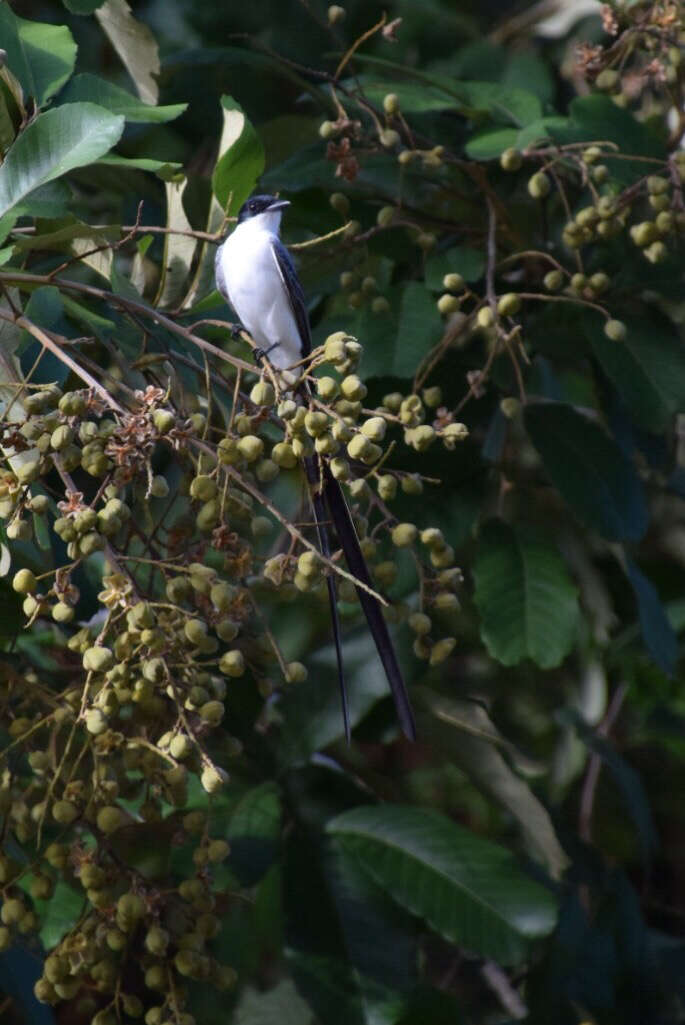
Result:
[[255, 274]]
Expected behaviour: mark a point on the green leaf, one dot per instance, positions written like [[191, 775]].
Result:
[[241, 158], [118, 101], [420, 328], [596, 118], [45, 309], [59, 914], [7, 129], [56, 142], [484, 754], [468, 889], [40, 56], [540, 131], [335, 996], [164, 169], [64, 234], [517, 107], [491, 143], [594, 477], [135, 44], [659, 636], [470, 263], [254, 831], [311, 711], [48, 201], [647, 368], [626, 778], [414, 97], [527, 603]]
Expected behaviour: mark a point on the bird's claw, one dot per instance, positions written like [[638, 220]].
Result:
[[236, 329], [261, 354]]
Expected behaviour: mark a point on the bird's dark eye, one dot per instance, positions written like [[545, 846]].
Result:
[[253, 207]]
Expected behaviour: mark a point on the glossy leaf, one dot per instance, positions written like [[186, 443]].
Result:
[[468, 889], [527, 602], [135, 44], [587, 467], [56, 142], [118, 101], [39, 55], [241, 158]]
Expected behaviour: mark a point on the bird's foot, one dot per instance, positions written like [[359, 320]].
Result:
[[260, 354], [236, 329]]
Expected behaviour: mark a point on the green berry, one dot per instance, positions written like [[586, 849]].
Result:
[[164, 420], [232, 663], [539, 185], [404, 534], [24, 582], [553, 280], [615, 330], [340, 203], [109, 818], [453, 282], [509, 304], [447, 304], [510, 159], [485, 318], [98, 659]]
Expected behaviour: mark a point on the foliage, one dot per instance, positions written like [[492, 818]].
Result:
[[492, 249]]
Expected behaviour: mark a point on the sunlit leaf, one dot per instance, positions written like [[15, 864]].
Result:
[[241, 158], [41, 56], [135, 44], [179, 249]]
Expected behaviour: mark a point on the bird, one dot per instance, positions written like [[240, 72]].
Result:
[[255, 274]]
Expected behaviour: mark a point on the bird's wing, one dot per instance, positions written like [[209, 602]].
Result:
[[293, 288], [347, 537]]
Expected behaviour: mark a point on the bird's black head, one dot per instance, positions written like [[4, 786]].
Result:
[[256, 205]]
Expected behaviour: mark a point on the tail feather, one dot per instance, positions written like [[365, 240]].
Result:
[[311, 465], [347, 537]]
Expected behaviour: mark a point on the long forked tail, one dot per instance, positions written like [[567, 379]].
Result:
[[347, 538], [311, 466]]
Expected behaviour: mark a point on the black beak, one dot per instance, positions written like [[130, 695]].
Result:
[[278, 204]]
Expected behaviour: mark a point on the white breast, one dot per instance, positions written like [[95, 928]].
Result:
[[256, 291]]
